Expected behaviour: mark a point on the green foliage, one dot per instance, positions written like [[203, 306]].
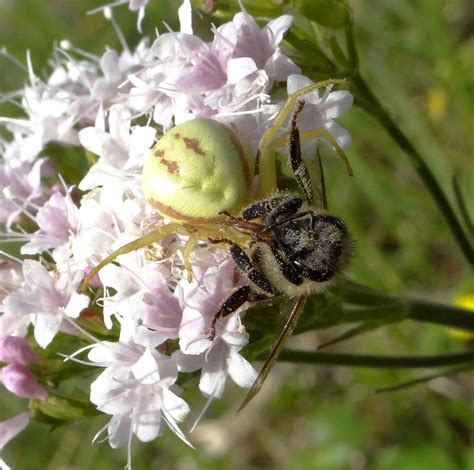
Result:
[[329, 13]]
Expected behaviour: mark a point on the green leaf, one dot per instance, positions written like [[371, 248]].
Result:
[[415, 458], [57, 410], [328, 13], [305, 51]]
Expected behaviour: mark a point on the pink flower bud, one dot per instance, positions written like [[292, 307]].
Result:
[[15, 350], [21, 382]]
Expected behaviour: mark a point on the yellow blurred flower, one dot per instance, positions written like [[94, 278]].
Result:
[[467, 302], [436, 103]]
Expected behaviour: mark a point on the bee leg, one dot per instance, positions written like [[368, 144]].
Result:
[[244, 293], [251, 271], [296, 163], [286, 268], [228, 306], [273, 207]]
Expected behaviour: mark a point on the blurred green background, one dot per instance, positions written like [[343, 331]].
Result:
[[418, 58]]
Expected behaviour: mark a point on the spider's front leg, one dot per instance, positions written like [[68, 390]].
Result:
[[270, 142]]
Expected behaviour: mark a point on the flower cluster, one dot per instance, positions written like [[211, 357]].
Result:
[[157, 320]]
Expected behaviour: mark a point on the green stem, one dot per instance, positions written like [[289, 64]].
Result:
[[365, 360], [448, 315], [373, 106], [367, 304]]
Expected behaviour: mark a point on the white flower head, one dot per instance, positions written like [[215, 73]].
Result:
[[45, 300], [137, 389], [320, 110]]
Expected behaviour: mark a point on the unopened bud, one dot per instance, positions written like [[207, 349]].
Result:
[[15, 350], [21, 382]]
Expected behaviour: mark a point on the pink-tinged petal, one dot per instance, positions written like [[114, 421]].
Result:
[[206, 73], [193, 345], [188, 362], [37, 276], [117, 402], [280, 67], [21, 382], [119, 430], [77, 303], [342, 136], [212, 382], [12, 323], [240, 370], [109, 63], [119, 125], [46, 328], [11, 427], [94, 140], [251, 41], [19, 303], [185, 17], [192, 323], [101, 353], [170, 45], [296, 82], [233, 332], [15, 350], [174, 405], [146, 369], [148, 426], [141, 139], [337, 103], [276, 29], [240, 68], [135, 5]]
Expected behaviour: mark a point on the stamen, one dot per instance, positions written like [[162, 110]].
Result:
[[82, 330], [65, 46], [12, 58], [80, 361], [129, 446], [204, 410], [109, 16], [98, 433], [9, 256], [79, 351], [172, 424], [109, 5]]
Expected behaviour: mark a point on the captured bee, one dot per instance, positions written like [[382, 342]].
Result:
[[296, 250]]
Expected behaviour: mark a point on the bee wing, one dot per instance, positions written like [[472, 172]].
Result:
[[276, 350]]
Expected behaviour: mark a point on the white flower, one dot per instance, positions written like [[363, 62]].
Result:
[[222, 359], [320, 111], [45, 300], [57, 220], [121, 150], [136, 388], [20, 188]]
